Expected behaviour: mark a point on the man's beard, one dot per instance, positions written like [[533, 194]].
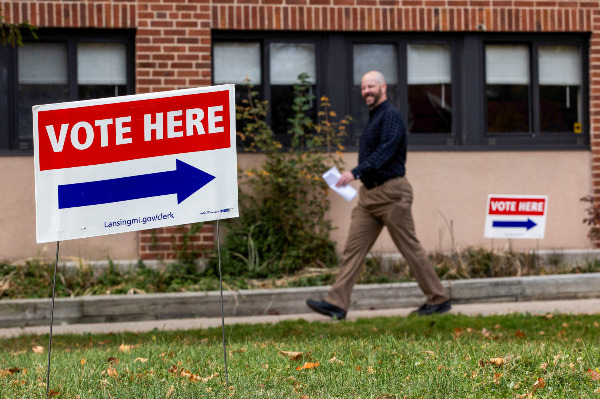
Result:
[[376, 97]]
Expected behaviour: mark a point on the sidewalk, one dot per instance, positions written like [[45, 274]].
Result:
[[575, 306]]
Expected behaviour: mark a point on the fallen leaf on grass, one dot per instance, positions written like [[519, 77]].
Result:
[[495, 361], [556, 359], [83, 361], [52, 393], [594, 375], [431, 354], [540, 383], [125, 348], [189, 375], [171, 391], [112, 372], [336, 360], [520, 334], [112, 360], [308, 366], [5, 372], [37, 349], [291, 355], [140, 359], [497, 377]]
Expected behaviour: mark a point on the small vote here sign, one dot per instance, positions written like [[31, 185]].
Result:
[[136, 162], [516, 216]]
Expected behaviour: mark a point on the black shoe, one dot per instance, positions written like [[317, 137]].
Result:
[[327, 309], [426, 309]]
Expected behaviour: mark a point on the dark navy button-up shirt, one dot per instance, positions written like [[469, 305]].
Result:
[[382, 147]]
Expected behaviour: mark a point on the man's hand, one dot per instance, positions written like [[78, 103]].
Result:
[[345, 178]]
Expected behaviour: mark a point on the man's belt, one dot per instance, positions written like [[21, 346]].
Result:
[[376, 181]]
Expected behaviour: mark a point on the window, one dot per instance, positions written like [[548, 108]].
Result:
[[272, 67], [419, 83], [61, 66], [286, 62], [534, 92], [476, 91], [429, 88], [237, 63], [101, 70], [560, 88], [363, 56], [507, 88], [43, 79]]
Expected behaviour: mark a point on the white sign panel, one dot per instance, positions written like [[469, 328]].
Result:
[[137, 162], [516, 216]]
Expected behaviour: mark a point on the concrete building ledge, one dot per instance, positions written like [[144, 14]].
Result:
[[119, 308]]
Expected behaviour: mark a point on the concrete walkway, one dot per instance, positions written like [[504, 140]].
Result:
[[576, 306]]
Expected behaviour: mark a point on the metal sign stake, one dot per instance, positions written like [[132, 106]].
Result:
[[51, 321], [222, 312]]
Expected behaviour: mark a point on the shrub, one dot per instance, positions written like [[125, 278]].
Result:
[[282, 226]]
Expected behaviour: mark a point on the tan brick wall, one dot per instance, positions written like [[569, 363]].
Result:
[[173, 43]]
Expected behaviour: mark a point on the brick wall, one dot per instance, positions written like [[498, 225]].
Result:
[[165, 243], [174, 37]]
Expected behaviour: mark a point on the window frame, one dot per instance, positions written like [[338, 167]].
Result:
[[401, 94], [469, 105], [10, 142], [265, 39], [536, 139]]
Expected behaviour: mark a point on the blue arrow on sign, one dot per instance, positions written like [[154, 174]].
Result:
[[184, 181], [515, 224]]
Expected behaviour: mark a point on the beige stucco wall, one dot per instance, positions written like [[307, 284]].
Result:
[[17, 221], [450, 188]]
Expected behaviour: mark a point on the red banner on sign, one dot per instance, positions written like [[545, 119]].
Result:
[[517, 206], [114, 132]]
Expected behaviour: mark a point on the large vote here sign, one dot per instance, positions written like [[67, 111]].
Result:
[[136, 162]]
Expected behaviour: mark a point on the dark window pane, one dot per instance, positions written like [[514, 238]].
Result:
[[430, 108], [89, 92], [559, 108], [507, 108], [282, 98], [242, 99], [37, 94]]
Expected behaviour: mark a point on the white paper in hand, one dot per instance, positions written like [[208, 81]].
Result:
[[331, 177]]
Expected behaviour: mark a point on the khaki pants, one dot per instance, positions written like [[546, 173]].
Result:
[[387, 205]]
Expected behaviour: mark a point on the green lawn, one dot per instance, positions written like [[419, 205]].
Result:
[[448, 356]]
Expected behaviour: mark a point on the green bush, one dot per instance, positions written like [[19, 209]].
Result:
[[282, 226]]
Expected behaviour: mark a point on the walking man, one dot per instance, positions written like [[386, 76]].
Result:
[[385, 199]]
